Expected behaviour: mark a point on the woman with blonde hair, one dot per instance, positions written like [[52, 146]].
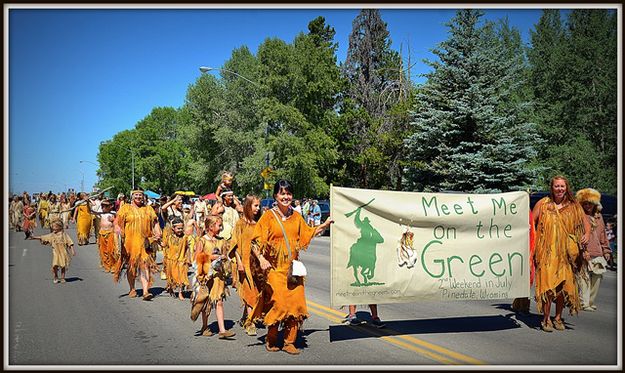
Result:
[[560, 231]]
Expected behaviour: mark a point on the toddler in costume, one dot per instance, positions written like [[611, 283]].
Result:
[[61, 244]]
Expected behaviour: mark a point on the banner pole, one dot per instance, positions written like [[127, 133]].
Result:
[[331, 246]]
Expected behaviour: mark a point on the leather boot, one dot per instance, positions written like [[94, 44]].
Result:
[[271, 339], [290, 334]]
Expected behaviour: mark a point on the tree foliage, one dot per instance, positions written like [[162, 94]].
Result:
[[369, 132], [573, 82], [493, 115], [469, 134]]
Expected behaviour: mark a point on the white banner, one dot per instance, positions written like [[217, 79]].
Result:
[[396, 247]]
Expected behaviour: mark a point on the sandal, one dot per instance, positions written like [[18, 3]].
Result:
[[148, 296], [271, 348], [291, 350], [227, 334], [546, 327], [207, 332], [559, 324]]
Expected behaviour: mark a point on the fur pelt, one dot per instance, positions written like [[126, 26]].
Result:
[[589, 195]]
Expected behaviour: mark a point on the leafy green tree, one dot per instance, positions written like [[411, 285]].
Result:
[[469, 133], [573, 82], [199, 121], [276, 103], [115, 159], [163, 160]]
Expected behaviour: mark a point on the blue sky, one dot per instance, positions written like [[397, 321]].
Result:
[[79, 76]]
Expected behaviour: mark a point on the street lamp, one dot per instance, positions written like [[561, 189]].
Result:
[[82, 181], [206, 69], [95, 164]]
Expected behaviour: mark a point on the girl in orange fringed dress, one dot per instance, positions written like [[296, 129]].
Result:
[[176, 257], [247, 286], [212, 273]]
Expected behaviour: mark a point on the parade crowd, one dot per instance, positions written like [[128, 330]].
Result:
[[228, 243]]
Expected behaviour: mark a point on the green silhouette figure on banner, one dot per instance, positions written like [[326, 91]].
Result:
[[362, 254]]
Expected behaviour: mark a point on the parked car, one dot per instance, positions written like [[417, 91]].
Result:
[[267, 202], [324, 205], [607, 201]]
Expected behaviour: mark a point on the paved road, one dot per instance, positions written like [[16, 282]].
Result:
[[91, 321]]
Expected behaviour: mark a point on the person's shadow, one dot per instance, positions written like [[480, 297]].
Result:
[[531, 320], [73, 279], [301, 341], [213, 327], [465, 324]]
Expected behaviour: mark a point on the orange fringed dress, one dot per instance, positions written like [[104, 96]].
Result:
[[279, 300], [215, 280], [241, 240], [136, 225], [176, 258], [83, 224], [108, 246], [557, 237]]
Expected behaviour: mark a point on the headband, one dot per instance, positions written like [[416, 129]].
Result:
[[137, 191], [226, 192]]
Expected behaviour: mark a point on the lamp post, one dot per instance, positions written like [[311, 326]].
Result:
[[205, 69], [95, 164], [82, 181]]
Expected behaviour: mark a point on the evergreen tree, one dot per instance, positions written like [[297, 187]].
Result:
[[573, 82], [373, 71], [470, 134]]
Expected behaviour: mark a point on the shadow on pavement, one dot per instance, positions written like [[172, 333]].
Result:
[[300, 342], [531, 320], [72, 279], [465, 324]]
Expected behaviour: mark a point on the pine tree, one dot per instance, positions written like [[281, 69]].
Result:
[[573, 82], [470, 134], [372, 70]]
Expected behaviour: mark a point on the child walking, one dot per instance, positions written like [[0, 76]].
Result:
[[210, 288], [30, 221], [176, 257], [107, 241], [61, 244]]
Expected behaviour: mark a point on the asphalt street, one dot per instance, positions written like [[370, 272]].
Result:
[[90, 321]]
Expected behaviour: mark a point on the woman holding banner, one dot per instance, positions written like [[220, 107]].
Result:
[[278, 237], [560, 231]]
